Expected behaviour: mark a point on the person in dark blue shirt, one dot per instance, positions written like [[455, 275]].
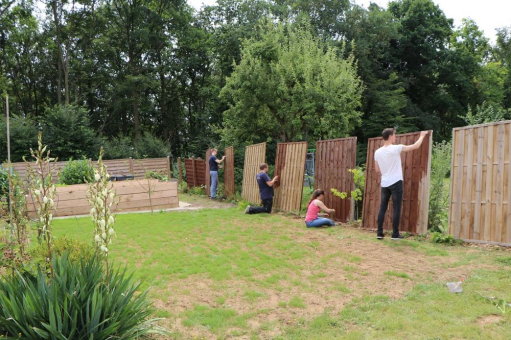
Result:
[[265, 191], [213, 171]]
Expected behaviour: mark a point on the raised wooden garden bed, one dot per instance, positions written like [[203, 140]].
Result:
[[72, 201]]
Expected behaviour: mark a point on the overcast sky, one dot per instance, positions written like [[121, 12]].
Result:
[[488, 14]]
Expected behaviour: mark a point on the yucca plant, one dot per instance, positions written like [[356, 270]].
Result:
[[79, 302]]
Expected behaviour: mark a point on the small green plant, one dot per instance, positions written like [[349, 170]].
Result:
[[159, 175], [440, 237], [199, 191], [80, 302], [76, 172], [439, 186], [358, 193]]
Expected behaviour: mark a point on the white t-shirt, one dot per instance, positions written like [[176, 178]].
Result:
[[389, 161]]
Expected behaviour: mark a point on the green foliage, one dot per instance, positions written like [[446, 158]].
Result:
[[440, 237], [76, 172], [75, 251], [485, 113], [439, 186], [150, 146], [119, 148], [4, 183], [23, 133], [156, 175], [68, 132], [359, 180], [298, 86], [80, 302]]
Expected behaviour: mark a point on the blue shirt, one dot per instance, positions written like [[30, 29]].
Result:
[[265, 190], [213, 165]]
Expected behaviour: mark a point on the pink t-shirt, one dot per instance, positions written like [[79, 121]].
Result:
[[312, 212]]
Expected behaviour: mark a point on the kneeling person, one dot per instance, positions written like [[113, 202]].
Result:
[[265, 191], [315, 205]]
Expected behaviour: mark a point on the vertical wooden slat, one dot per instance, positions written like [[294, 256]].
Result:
[[500, 183], [131, 165], [479, 181], [459, 175], [489, 185], [180, 167], [466, 196]]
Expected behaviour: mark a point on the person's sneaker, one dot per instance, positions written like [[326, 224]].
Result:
[[398, 237], [247, 211], [380, 237]]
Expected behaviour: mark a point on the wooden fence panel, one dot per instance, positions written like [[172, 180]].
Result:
[[229, 188], [290, 167], [416, 178], [207, 178], [72, 200], [333, 160], [480, 202], [255, 155], [120, 167], [195, 172]]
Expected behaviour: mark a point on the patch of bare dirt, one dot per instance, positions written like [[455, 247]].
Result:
[[489, 319]]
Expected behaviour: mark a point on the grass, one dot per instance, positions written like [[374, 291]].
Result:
[[218, 273]]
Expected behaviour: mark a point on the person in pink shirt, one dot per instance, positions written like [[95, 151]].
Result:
[[315, 205]]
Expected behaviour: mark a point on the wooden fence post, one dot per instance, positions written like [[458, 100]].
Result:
[[169, 172], [131, 165], [194, 172], [180, 170]]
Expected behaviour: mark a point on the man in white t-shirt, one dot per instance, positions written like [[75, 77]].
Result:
[[388, 163]]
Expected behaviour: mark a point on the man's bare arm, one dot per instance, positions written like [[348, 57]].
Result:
[[418, 143]]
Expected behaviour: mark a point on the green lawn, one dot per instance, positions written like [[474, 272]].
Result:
[[218, 273]]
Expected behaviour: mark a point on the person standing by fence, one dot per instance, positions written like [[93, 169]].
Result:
[[213, 171], [265, 191], [388, 164]]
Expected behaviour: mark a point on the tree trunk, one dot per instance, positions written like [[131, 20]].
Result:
[[136, 121], [66, 74], [59, 47]]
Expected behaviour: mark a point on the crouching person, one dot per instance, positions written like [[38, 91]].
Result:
[[265, 191], [312, 219]]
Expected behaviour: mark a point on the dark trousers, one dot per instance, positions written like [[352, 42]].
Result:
[[396, 191], [266, 208]]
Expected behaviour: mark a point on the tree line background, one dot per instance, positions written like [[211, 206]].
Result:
[[151, 78]]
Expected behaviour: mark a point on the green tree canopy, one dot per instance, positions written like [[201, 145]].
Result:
[[290, 86]]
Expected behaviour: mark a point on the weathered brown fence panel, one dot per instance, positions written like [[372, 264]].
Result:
[[229, 189], [480, 203], [72, 200], [255, 155], [416, 174], [290, 167], [195, 172], [333, 160], [207, 178]]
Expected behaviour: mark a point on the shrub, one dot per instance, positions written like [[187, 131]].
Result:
[[80, 302], [4, 183], [68, 132], [439, 189], [74, 249], [76, 172], [23, 133], [151, 147], [440, 237], [156, 175], [118, 148]]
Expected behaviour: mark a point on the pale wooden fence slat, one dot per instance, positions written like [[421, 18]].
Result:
[[255, 155]]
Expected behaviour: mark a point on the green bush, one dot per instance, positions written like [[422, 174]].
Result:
[[80, 302], [118, 148], [156, 175], [439, 187], [74, 249], [23, 133], [68, 133], [151, 147], [76, 172], [440, 237], [4, 183]]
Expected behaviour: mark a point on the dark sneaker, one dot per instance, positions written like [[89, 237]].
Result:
[[396, 238], [247, 211], [380, 237]]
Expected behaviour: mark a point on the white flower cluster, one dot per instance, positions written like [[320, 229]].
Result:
[[102, 196]]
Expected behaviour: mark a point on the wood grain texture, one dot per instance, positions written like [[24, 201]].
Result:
[[229, 188], [333, 159], [290, 167], [480, 184], [255, 155]]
